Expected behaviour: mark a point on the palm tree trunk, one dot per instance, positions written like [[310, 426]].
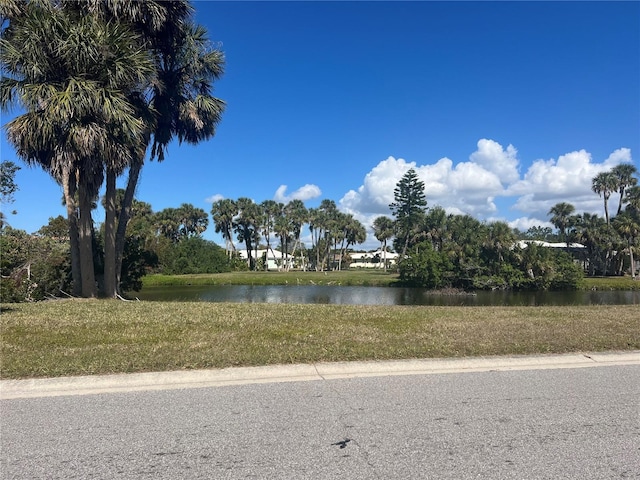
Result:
[[293, 253], [123, 218], [68, 188], [384, 255], [110, 279], [85, 238]]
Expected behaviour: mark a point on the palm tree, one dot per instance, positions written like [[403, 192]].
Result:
[[628, 229], [271, 210], [435, 224], [223, 212], [624, 174], [383, 231], [499, 239], [181, 103], [246, 226], [349, 231], [562, 219], [590, 229], [70, 72], [604, 184], [632, 197], [297, 215]]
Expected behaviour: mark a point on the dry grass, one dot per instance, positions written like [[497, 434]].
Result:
[[76, 337]]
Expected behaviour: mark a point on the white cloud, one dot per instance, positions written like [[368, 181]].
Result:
[[525, 223], [464, 188], [472, 187], [304, 193], [567, 179], [621, 155], [375, 195], [214, 198], [492, 157]]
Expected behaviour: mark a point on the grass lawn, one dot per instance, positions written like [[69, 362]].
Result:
[[368, 278], [79, 337]]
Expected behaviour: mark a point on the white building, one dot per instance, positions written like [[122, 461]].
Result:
[[274, 258], [540, 243], [372, 259]]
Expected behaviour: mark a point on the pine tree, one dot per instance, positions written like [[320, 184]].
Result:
[[409, 207]]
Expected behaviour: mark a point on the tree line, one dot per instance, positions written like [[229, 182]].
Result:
[[608, 240], [440, 250], [332, 231]]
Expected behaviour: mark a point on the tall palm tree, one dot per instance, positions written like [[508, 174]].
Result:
[[561, 218], [174, 101], [624, 174], [223, 212], [246, 226], [327, 223], [180, 104], [271, 210], [628, 229], [70, 73], [383, 231], [297, 215], [604, 184], [632, 197]]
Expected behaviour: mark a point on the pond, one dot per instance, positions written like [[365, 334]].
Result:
[[344, 295]]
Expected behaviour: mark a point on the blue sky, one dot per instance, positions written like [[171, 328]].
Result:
[[503, 108]]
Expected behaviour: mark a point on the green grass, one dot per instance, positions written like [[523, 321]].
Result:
[[79, 337], [369, 278], [611, 283], [372, 278]]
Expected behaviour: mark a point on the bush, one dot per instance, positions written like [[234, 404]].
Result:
[[193, 255], [425, 268], [32, 267]]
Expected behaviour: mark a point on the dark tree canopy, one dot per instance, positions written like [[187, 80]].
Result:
[[409, 206]]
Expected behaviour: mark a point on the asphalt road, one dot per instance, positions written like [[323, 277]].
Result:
[[570, 423]]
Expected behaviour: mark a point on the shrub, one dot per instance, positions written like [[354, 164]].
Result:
[[425, 268]]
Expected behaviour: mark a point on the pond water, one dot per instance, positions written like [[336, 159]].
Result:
[[344, 295]]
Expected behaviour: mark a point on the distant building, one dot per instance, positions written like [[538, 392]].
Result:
[[274, 258], [573, 247], [372, 259]]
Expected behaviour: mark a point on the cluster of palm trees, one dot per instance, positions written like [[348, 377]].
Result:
[[101, 83], [332, 231], [606, 239]]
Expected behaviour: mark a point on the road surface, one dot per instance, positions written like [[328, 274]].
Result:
[[549, 423]]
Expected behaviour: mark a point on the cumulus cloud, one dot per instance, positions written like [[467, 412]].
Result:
[[214, 198], [467, 187], [567, 179], [492, 172], [525, 223], [492, 157], [304, 193]]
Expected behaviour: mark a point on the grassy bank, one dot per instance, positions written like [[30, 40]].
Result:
[[75, 337], [373, 278], [611, 283], [367, 278]]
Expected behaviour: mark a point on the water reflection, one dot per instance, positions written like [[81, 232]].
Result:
[[326, 294]]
